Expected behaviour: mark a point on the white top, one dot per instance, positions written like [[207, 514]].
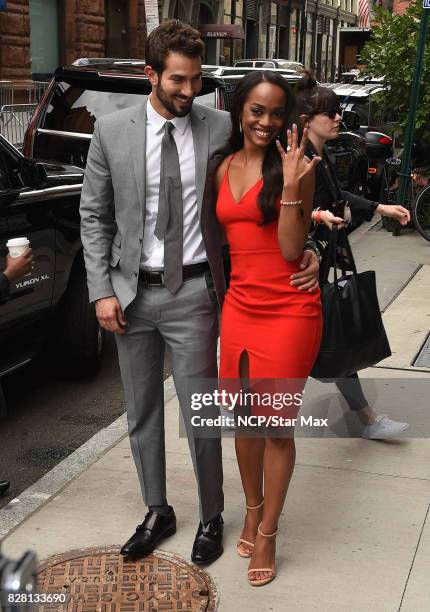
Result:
[[153, 248]]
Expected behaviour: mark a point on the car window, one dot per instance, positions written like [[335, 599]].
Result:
[[289, 65], [361, 107], [4, 177], [362, 110], [265, 65], [9, 174], [243, 64], [73, 109]]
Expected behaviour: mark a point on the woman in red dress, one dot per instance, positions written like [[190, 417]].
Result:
[[270, 329]]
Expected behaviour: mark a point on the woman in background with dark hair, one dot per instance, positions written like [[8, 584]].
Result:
[[270, 329], [318, 108]]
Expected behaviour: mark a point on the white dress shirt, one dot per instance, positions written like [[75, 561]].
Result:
[[153, 248]]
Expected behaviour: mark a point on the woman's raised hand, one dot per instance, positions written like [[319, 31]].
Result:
[[295, 164]]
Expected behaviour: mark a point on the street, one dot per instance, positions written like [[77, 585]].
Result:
[[49, 418]]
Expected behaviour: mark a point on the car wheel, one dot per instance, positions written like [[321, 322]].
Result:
[[79, 340]]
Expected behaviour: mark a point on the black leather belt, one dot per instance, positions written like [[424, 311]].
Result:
[[157, 278]]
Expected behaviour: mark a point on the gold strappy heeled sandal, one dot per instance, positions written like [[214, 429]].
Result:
[[247, 555], [263, 581]]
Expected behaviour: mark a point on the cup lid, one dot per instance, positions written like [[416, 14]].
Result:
[[17, 242]]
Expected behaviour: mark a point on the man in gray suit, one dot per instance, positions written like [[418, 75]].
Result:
[[153, 256]]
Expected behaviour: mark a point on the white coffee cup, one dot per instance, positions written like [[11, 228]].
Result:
[[17, 246]]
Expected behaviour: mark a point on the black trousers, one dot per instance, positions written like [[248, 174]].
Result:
[[352, 391], [350, 387]]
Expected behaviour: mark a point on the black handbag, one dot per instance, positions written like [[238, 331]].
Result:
[[353, 335]]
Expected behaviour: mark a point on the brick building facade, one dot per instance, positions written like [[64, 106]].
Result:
[[85, 28], [15, 58], [400, 6]]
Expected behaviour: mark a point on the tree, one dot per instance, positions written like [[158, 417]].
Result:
[[391, 53]]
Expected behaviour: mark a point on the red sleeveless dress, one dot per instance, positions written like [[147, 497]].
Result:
[[278, 325]]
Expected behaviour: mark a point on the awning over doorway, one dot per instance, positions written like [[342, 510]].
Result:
[[222, 31]]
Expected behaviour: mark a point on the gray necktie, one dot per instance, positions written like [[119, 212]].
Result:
[[169, 226]]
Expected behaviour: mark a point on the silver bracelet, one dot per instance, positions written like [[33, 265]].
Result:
[[291, 203]]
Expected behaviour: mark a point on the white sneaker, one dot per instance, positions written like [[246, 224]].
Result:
[[383, 427]]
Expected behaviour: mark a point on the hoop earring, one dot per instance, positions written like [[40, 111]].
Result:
[[240, 126]]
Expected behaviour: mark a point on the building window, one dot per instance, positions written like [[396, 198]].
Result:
[[44, 38], [309, 40], [239, 11], [272, 32], [251, 11], [227, 12], [238, 19], [330, 58], [293, 35]]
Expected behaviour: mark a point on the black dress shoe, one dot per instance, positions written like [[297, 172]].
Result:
[[208, 543], [154, 528], [4, 485]]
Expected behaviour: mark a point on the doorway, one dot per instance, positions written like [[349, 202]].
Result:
[[117, 28], [251, 48], [283, 42]]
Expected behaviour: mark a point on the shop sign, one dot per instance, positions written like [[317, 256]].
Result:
[[222, 31]]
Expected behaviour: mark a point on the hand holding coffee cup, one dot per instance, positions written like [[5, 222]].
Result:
[[20, 258], [17, 246]]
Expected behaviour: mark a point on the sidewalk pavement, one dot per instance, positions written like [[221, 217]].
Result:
[[355, 530]]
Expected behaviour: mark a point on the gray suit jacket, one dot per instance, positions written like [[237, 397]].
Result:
[[113, 198]]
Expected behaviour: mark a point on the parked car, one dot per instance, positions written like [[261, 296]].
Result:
[[269, 63], [41, 201], [290, 65], [225, 71], [360, 98], [78, 95], [210, 68]]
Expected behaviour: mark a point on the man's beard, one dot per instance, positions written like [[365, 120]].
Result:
[[169, 106]]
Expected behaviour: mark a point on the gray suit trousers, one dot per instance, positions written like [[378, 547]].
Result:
[[187, 323]]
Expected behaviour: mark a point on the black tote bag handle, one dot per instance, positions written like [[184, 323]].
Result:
[[337, 238]]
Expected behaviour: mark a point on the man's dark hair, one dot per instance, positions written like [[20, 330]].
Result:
[[172, 36]]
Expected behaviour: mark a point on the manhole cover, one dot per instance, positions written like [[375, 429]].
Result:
[[101, 580]]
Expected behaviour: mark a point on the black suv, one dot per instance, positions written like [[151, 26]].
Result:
[[78, 95], [41, 201]]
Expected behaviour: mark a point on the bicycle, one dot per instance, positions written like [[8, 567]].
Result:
[[421, 212], [416, 200]]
